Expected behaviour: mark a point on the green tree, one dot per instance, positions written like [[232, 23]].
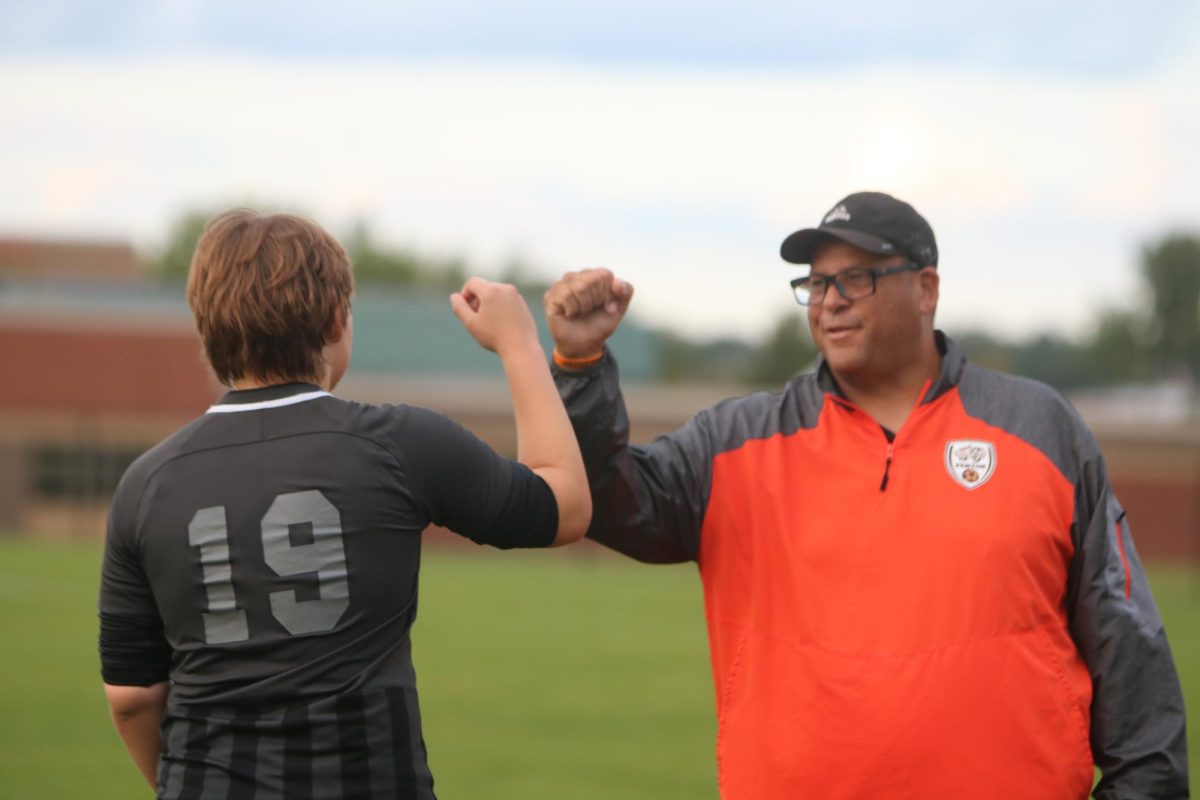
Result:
[[1171, 267], [523, 275], [986, 350], [1115, 352], [683, 360], [1052, 359], [173, 261], [374, 264], [787, 351]]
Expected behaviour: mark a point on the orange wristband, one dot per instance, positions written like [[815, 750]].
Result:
[[576, 363]]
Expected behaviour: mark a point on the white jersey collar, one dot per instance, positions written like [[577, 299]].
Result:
[[278, 402]]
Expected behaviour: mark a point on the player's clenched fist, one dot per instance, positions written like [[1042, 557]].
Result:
[[495, 314], [583, 309]]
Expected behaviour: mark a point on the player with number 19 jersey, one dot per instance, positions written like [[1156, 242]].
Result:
[[264, 560]]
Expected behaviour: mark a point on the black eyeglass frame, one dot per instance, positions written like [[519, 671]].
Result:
[[803, 281]]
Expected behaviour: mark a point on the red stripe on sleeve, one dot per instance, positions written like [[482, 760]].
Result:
[[1124, 559]]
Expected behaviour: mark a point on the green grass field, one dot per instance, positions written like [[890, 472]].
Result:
[[542, 675]]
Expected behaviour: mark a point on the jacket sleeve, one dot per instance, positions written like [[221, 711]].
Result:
[[1137, 736], [647, 501]]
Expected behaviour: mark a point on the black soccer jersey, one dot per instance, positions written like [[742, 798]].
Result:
[[264, 559]]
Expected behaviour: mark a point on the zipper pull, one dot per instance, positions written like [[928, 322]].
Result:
[[887, 467]]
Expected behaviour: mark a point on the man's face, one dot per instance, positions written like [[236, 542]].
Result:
[[874, 337]]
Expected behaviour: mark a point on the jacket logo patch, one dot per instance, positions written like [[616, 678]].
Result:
[[970, 461]]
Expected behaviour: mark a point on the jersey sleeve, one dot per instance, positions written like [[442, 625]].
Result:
[[1137, 732], [648, 501], [468, 487], [133, 647]]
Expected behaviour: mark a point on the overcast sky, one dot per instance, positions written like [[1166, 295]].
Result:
[[676, 143]]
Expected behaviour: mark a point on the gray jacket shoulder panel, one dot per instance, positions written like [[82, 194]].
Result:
[[1033, 412], [764, 414], [649, 500]]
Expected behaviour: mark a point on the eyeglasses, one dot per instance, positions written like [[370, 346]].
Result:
[[853, 284]]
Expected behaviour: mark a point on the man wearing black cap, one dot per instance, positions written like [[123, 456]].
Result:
[[918, 582]]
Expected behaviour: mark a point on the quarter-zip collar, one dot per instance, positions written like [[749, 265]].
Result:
[[891, 438], [953, 362]]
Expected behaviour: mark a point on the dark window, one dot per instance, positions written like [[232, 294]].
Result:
[[79, 472]]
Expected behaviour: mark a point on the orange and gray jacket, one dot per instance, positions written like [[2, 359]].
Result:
[[955, 611]]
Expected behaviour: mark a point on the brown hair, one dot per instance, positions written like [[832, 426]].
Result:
[[264, 290]]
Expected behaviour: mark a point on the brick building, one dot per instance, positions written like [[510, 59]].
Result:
[[102, 363]]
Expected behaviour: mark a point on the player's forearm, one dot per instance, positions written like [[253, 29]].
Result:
[[137, 713], [545, 440]]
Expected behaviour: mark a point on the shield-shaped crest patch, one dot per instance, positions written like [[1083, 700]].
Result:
[[970, 461]]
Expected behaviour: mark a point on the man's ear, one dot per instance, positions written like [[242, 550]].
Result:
[[335, 329], [929, 283]]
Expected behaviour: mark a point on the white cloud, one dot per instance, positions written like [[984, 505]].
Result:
[[683, 180]]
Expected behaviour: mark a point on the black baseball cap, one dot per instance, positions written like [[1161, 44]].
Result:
[[873, 221]]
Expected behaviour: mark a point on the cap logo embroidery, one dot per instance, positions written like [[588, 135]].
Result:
[[970, 462], [838, 213]]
